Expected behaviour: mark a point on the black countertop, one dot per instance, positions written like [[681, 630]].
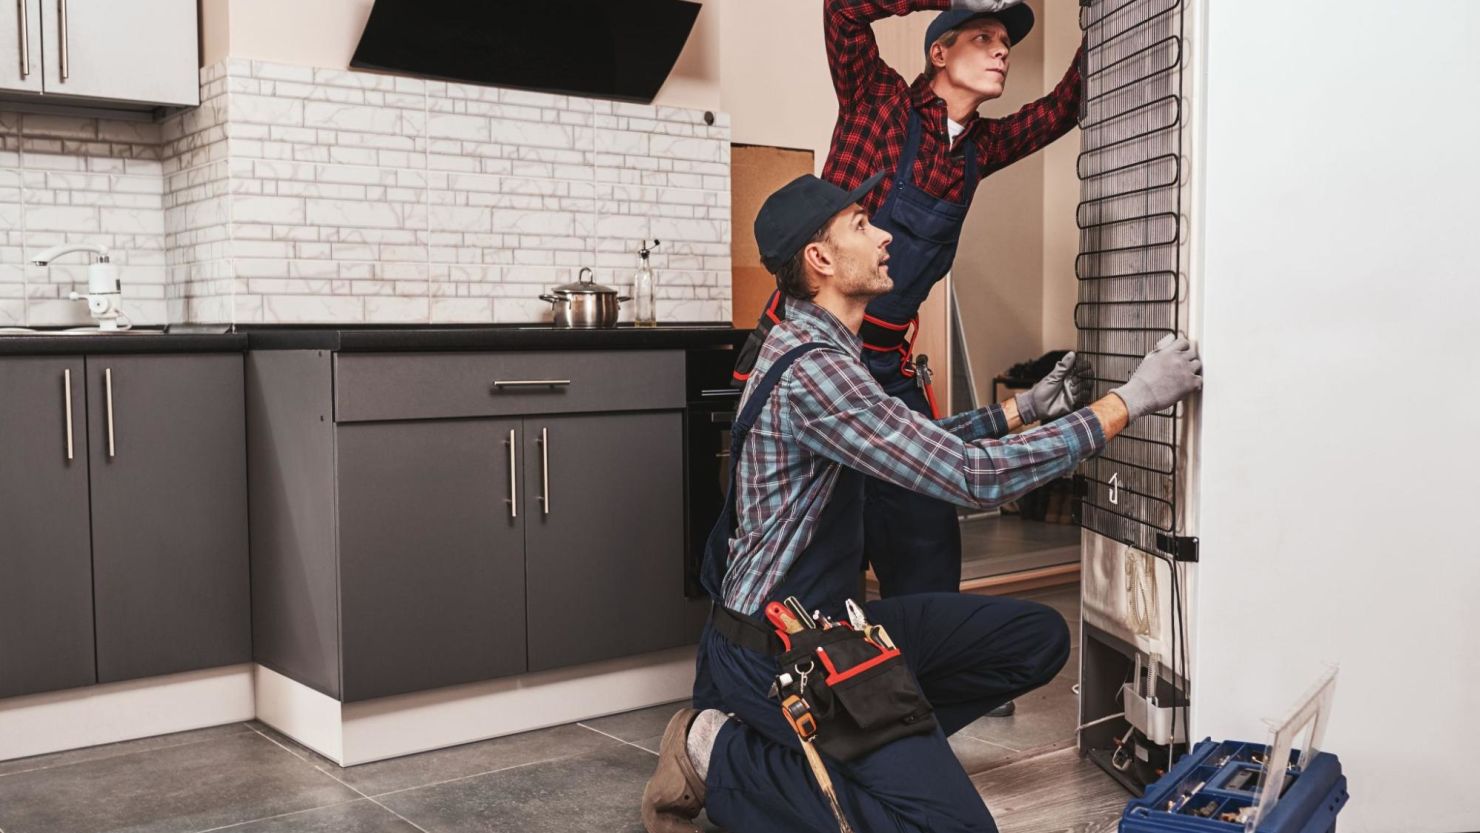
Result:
[[378, 338], [489, 337], [52, 343]]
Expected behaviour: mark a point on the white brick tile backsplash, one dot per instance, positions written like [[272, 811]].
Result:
[[302, 195]]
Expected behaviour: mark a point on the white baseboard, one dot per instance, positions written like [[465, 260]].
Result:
[[358, 733], [355, 733], [307, 716], [55, 721]]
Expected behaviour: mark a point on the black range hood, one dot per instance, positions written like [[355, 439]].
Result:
[[618, 49]]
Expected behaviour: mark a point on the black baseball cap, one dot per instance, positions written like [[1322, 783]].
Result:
[[792, 215], [1018, 20]]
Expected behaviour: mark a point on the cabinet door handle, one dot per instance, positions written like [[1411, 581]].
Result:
[[62, 36], [67, 383], [25, 23], [513, 476], [108, 386], [499, 384], [545, 470]]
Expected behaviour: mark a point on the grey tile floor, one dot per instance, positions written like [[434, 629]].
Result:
[[247, 778]]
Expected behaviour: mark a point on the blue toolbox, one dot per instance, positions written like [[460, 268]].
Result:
[[1235, 787], [1217, 788]]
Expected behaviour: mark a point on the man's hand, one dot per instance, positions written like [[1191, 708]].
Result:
[[1064, 390], [984, 6], [1169, 373]]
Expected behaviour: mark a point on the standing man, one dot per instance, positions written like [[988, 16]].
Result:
[[812, 425], [936, 148]]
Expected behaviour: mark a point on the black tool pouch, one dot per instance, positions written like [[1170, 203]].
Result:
[[862, 695]]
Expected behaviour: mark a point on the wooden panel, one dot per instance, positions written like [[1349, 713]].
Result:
[[756, 171], [384, 386]]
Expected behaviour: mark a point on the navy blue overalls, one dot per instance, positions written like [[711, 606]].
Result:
[[913, 541], [969, 654]]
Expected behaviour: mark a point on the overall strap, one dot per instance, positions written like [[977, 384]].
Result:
[[972, 175], [905, 173], [762, 390], [716, 548]]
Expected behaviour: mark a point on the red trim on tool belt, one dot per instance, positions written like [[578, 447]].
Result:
[[833, 676]]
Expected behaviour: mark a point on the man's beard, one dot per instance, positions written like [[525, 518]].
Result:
[[867, 280]]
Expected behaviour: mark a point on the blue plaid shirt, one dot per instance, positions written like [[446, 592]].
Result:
[[827, 412]]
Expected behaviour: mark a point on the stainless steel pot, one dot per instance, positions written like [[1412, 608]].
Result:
[[585, 304]]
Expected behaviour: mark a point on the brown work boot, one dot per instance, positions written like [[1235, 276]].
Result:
[[675, 793]]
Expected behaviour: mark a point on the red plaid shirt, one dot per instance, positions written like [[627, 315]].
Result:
[[873, 114]]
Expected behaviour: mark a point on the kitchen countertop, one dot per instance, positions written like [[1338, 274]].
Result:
[[391, 338], [370, 338], [55, 342]]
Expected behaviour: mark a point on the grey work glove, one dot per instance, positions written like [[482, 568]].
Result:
[[984, 6], [1169, 373], [1064, 390]]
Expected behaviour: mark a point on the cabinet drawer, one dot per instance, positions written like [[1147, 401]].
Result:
[[384, 386]]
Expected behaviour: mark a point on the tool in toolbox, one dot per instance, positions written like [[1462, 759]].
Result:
[[1249, 787]]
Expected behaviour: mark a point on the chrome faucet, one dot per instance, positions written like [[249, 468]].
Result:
[[104, 290]]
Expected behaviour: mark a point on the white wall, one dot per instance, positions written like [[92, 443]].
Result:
[[775, 83], [1341, 298], [324, 33]]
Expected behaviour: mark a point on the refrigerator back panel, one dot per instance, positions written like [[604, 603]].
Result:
[[1131, 273]]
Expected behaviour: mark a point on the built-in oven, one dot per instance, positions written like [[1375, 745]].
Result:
[[707, 420]]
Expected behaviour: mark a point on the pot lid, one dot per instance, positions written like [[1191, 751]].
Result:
[[585, 285]]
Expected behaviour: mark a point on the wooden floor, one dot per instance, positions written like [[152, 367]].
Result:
[[1056, 792], [1026, 767]]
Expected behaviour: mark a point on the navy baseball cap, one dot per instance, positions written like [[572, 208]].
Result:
[[1017, 19], [796, 212]]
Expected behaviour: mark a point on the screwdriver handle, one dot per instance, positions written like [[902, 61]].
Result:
[[783, 619]]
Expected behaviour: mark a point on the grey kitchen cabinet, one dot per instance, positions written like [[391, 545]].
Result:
[[46, 592], [603, 536], [432, 554], [123, 550], [167, 450], [139, 52], [421, 520]]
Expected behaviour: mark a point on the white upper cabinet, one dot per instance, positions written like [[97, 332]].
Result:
[[20, 46], [101, 51]]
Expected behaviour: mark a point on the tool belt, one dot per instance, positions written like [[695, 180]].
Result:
[[745, 631], [846, 690]]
